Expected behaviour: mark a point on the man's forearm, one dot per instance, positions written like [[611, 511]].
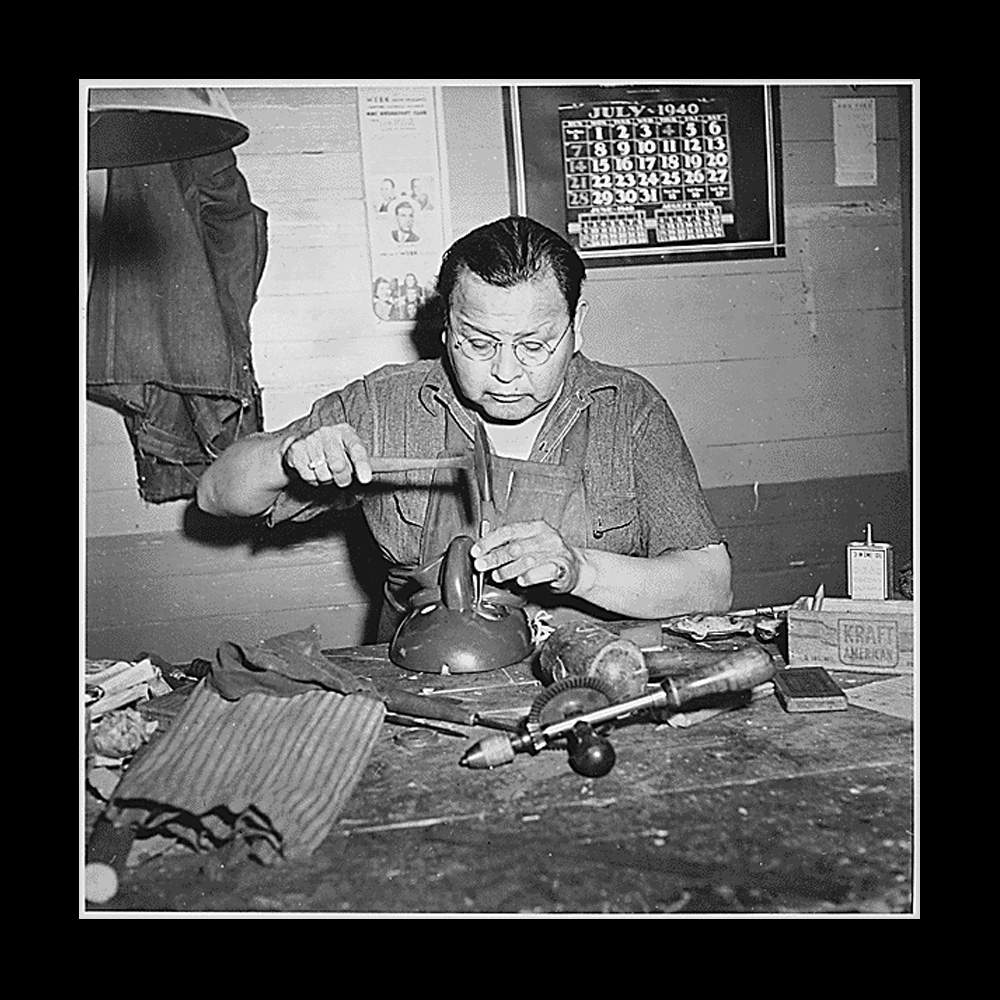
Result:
[[676, 583], [245, 479]]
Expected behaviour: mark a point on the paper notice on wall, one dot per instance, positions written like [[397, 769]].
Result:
[[402, 151], [854, 145]]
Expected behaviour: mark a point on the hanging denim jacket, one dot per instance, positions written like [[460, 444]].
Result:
[[180, 256]]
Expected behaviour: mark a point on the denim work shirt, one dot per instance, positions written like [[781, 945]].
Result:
[[643, 497]]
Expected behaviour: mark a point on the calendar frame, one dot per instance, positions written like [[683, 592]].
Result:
[[754, 221]]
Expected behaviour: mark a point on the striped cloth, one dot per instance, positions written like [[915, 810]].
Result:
[[276, 771]]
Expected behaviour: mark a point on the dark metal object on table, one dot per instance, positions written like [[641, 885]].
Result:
[[568, 699], [590, 751], [591, 755], [467, 627], [461, 633]]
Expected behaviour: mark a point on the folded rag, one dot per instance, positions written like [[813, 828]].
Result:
[[267, 748]]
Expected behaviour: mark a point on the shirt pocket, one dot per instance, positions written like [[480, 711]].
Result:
[[614, 523], [411, 505]]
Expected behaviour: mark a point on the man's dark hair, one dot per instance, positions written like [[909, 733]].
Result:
[[509, 252]]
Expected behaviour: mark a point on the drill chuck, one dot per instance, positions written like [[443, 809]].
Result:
[[489, 752]]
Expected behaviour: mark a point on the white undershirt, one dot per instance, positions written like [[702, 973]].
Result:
[[517, 440]]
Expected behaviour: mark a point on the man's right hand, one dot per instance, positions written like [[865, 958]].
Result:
[[329, 454]]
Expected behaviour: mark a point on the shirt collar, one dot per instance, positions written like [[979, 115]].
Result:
[[437, 392], [584, 377]]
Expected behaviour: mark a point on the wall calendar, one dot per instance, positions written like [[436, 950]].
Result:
[[649, 174]]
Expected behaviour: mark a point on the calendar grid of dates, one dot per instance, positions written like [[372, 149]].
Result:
[[641, 175]]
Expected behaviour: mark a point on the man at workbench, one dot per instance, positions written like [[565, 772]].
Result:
[[600, 508]]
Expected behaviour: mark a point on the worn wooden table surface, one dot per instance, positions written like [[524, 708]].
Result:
[[755, 811]]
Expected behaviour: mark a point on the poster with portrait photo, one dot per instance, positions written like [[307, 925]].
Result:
[[405, 191], [385, 191], [402, 225], [421, 193], [403, 288], [394, 219]]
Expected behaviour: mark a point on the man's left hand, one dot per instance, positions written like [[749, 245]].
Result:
[[530, 552]]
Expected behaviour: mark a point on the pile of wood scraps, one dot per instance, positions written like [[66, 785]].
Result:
[[113, 684], [115, 731]]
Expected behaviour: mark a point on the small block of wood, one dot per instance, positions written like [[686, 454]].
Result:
[[808, 689]]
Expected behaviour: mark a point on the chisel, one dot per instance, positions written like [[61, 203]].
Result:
[[440, 709]]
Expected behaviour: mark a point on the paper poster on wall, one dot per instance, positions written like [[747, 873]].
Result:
[[406, 196], [854, 143]]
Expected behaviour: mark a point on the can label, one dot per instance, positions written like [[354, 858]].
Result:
[[868, 642], [869, 572]]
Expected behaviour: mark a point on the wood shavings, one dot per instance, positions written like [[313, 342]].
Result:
[[119, 734], [540, 627], [412, 824]]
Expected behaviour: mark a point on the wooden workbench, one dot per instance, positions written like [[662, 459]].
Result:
[[753, 811]]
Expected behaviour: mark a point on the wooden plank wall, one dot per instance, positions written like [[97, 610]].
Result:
[[789, 377]]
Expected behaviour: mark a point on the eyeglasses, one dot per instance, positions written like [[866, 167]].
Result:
[[530, 353]]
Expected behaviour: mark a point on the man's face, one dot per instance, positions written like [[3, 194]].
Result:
[[404, 218], [388, 190], [502, 388]]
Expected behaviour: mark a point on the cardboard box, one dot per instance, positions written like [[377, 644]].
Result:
[[871, 637]]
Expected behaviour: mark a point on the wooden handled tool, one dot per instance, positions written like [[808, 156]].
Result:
[[382, 464], [739, 671], [586, 649]]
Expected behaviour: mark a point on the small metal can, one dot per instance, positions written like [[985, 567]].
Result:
[[869, 569]]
